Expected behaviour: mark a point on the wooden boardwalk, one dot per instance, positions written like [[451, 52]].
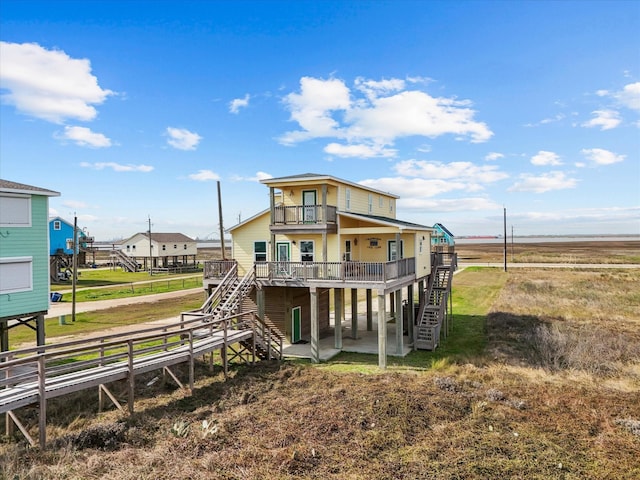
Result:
[[34, 375]]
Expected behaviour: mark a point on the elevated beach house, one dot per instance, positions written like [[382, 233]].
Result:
[[161, 251], [61, 248], [24, 258], [320, 237]]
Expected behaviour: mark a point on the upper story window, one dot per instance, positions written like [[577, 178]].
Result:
[[306, 251], [15, 210], [57, 225], [347, 199], [380, 201], [260, 251], [175, 246], [370, 203], [164, 247], [185, 246], [391, 205]]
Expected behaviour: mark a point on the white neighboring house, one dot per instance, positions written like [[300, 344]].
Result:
[[171, 251]]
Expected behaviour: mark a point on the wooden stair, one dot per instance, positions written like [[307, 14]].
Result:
[[433, 316]]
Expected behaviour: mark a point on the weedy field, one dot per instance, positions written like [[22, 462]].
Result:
[[539, 379]]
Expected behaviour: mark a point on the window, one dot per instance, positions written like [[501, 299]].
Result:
[[306, 251], [164, 247], [15, 211], [347, 199], [16, 274], [370, 203], [392, 250], [391, 205], [185, 246], [259, 251], [175, 247], [380, 201], [128, 247], [56, 225]]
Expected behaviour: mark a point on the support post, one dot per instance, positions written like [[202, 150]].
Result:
[[382, 331], [369, 310], [411, 319], [354, 313], [399, 322], [338, 305], [315, 326]]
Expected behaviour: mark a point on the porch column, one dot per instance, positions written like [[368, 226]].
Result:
[[260, 302], [315, 326], [354, 313], [4, 335], [338, 307], [399, 322], [369, 311], [382, 331], [412, 317], [272, 237]]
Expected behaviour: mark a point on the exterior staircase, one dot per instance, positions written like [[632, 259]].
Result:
[[125, 261], [226, 300], [433, 317]]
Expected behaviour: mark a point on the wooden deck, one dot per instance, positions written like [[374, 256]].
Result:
[[36, 374]]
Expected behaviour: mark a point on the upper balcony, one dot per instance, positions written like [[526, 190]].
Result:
[[304, 219]]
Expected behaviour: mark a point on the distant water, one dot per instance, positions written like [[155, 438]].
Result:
[[579, 238]]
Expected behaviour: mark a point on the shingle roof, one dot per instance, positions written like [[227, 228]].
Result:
[[15, 187]]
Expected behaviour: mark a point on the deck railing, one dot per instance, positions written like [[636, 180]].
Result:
[[336, 271], [218, 268], [303, 214]]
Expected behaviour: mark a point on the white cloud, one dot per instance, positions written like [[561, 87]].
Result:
[[237, 103], [116, 167], [629, 96], [204, 176], [605, 119], [543, 183], [182, 139], [493, 156], [600, 156], [546, 158], [84, 137], [376, 113], [361, 151], [463, 171], [48, 84], [448, 204], [256, 178]]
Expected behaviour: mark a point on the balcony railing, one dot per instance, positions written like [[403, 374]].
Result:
[[376, 272], [303, 214]]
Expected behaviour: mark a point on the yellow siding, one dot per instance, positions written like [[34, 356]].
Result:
[[360, 202], [243, 240]]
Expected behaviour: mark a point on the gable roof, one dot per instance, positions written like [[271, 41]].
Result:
[[386, 221], [8, 186], [318, 177], [163, 237], [444, 229]]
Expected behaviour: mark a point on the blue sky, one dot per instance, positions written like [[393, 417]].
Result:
[[134, 110]]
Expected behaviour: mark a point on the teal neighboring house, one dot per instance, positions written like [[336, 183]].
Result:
[[442, 240], [24, 257]]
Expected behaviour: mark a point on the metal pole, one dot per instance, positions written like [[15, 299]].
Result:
[[150, 250], [505, 239], [221, 225], [75, 268]]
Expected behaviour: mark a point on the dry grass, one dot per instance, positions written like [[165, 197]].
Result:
[[509, 414], [579, 252]]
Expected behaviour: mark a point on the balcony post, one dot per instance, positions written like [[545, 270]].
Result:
[[399, 321], [382, 331]]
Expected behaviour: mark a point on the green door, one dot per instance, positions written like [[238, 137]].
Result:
[[295, 325]]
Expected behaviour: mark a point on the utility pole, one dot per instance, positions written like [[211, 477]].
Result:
[[505, 239], [221, 225], [74, 263], [150, 249]]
